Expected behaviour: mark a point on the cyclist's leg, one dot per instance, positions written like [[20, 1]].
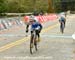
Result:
[[31, 41], [61, 27], [35, 41], [35, 38], [63, 22], [38, 35]]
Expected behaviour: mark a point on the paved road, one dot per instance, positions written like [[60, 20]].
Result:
[[53, 46]]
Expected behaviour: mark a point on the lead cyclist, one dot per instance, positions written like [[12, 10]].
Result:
[[35, 24]]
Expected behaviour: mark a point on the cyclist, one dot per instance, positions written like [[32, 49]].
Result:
[[62, 21], [33, 21]]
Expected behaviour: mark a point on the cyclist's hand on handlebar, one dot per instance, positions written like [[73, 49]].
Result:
[[26, 30]]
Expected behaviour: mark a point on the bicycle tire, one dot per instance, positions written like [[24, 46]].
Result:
[[33, 39], [62, 28], [31, 49], [31, 42], [35, 43]]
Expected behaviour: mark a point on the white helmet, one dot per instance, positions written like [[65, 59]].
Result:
[[62, 14], [33, 18]]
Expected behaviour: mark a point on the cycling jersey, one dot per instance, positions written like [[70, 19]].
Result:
[[34, 23], [62, 19], [36, 26]]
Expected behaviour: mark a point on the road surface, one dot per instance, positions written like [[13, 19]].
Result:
[[54, 45]]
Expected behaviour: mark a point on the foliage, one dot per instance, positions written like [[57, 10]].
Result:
[[21, 6]]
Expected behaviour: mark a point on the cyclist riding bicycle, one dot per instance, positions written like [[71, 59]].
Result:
[[62, 19], [33, 21]]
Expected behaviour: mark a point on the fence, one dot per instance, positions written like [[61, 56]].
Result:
[[43, 18], [6, 23]]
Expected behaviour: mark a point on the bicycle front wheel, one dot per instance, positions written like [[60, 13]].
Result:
[[62, 28]]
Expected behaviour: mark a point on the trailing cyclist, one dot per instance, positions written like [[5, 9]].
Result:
[[62, 21]]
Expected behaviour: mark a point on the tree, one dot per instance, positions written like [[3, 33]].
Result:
[[2, 6], [50, 7]]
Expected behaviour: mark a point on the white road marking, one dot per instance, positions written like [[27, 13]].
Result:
[[57, 36], [29, 58], [73, 36]]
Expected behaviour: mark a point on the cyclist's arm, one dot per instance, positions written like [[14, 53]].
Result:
[[27, 26], [59, 20], [65, 19], [40, 26]]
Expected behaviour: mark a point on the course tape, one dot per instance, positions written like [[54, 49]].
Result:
[[43, 18]]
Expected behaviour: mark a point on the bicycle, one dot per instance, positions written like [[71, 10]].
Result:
[[62, 26], [33, 41]]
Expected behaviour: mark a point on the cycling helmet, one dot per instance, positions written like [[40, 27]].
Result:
[[33, 18]]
